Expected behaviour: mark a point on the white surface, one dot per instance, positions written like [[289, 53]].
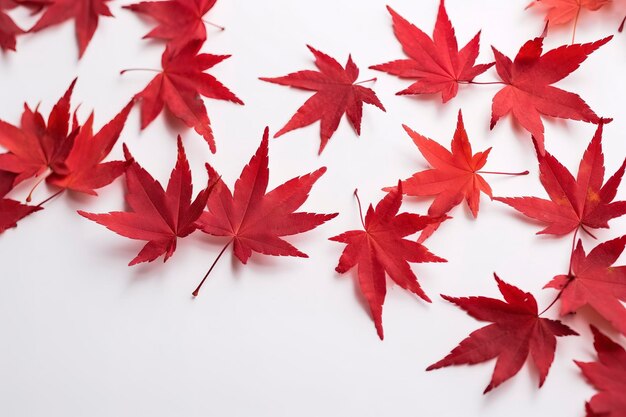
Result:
[[82, 334]]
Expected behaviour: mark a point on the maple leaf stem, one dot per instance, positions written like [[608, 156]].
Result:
[[122, 72], [358, 201], [214, 25], [575, 24], [480, 83], [366, 81], [621, 25], [571, 256], [197, 290], [29, 198], [552, 303], [569, 274], [51, 197], [587, 231], [503, 173]]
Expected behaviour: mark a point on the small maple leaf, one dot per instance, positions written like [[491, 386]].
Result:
[[158, 216], [608, 375], [255, 220], [381, 248], [515, 333], [337, 93], [179, 21], [36, 146], [85, 13], [574, 202], [593, 281], [179, 87], [560, 12], [8, 29], [454, 176], [528, 93], [436, 64], [85, 171]]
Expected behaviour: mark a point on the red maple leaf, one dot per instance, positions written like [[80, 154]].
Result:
[[574, 202], [179, 87], [36, 146], [85, 13], [608, 375], [158, 216], [454, 176], [179, 21], [11, 211], [528, 92], [337, 93], [255, 220], [8, 29], [436, 64], [515, 333], [560, 12], [381, 248], [85, 171], [593, 281]]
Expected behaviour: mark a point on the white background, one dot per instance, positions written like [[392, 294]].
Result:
[[82, 334]]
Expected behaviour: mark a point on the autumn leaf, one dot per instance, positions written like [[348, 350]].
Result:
[[37, 146], [436, 64], [528, 91], [516, 332], [85, 13], [455, 175], [574, 203], [608, 375], [179, 21], [8, 29], [381, 249], [158, 216], [11, 211], [85, 171], [255, 220], [337, 93], [593, 281], [179, 87]]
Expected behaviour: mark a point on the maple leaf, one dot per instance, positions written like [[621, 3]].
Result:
[[179, 21], [85, 171], [11, 211], [158, 216], [560, 12], [179, 87], [593, 281], [516, 332], [608, 375], [8, 29], [528, 92], [337, 93], [574, 202], [36, 146], [436, 64], [85, 13], [255, 220], [454, 176], [381, 248]]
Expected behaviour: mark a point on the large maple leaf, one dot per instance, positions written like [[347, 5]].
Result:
[[455, 175], [84, 170], [381, 249], [255, 220], [8, 29], [337, 93], [593, 281], [608, 375], [516, 332], [529, 93], [158, 216], [179, 87], [179, 21], [574, 202], [37, 146], [436, 64], [85, 13]]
